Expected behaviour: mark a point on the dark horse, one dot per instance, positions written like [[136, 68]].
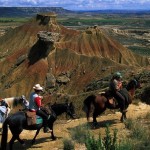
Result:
[[102, 101], [18, 121]]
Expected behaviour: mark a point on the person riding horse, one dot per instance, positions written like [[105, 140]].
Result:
[[3, 103], [35, 104], [114, 88], [3, 110], [7, 104]]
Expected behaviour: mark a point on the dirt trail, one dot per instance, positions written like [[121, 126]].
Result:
[[62, 129]]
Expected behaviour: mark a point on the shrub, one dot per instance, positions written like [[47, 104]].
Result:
[[139, 134], [68, 144], [147, 116], [94, 144], [80, 134], [129, 124], [125, 145], [109, 142]]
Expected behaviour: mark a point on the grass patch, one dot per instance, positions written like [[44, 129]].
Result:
[[109, 142], [137, 140], [80, 133], [147, 116], [68, 144], [137, 129], [139, 133], [125, 145]]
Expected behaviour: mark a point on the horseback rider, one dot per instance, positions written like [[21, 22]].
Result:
[[35, 103], [3, 110], [114, 87]]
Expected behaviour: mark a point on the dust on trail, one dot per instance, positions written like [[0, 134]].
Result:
[[62, 129]]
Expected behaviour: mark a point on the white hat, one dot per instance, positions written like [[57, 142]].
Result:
[[38, 87]]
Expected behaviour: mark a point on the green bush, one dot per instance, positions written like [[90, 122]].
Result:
[[129, 124], [94, 144], [109, 142], [137, 129], [125, 145], [147, 116], [68, 144], [139, 133], [80, 134]]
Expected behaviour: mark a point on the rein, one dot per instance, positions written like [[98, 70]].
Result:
[[16, 101]]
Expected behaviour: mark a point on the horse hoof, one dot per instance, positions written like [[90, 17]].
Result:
[[122, 120], [32, 142], [95, 125], [23, 145], [54, 138]]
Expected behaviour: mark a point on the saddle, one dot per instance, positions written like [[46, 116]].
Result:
[[33, 119]]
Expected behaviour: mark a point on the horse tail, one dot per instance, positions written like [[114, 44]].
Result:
[[87, 105], [4, 135]]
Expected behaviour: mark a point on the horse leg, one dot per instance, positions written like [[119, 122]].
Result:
[[20, 140], [11, 142], [15, 132], [123, 116], [52, 133], [94, 118], [33, 140]]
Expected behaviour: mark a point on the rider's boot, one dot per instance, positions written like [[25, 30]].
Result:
[[46, 128]]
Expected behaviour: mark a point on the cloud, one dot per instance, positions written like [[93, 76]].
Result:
[[80, 4]]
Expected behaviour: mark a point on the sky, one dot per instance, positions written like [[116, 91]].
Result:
[[80, 4]]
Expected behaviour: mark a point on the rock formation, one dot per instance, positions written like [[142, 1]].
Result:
[[55, 56]]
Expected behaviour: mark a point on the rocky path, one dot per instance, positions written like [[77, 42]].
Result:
[[62, 129]]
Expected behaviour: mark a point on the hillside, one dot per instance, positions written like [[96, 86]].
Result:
[[61, 59]]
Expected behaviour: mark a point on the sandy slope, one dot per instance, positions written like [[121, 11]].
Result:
[[62, 129]]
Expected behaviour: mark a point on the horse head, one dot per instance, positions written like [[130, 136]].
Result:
[[133, 84], [23, 101], [70, 110]]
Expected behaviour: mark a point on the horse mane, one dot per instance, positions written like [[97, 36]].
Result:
[[16, 100], [12, 101]]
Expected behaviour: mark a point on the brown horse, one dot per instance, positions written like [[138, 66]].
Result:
[[102, 101]]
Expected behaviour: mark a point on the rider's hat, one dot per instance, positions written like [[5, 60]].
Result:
[[38, 87]]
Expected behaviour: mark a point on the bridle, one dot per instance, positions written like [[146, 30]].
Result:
[[69, 112]]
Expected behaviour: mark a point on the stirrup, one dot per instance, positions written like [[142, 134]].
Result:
[[47, 130], [48, 117]]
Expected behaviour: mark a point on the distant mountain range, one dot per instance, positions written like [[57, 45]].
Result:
[[31, 11]]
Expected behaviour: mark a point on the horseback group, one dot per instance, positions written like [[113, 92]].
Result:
[[46, 116], [43, 116]]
